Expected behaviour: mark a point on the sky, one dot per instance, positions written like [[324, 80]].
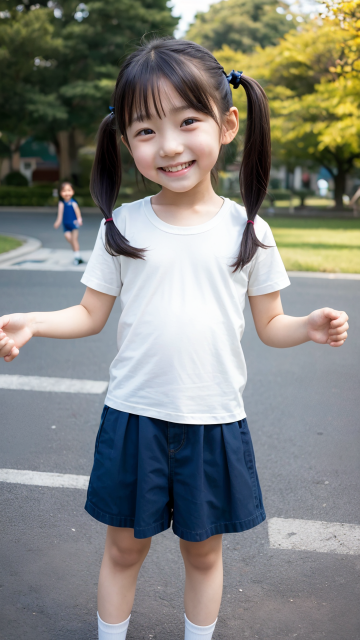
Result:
[[188, 8]]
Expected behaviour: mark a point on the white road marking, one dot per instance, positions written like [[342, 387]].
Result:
[[46, 260], [298, 535], [57, 385], [40, 479], [312, 535]]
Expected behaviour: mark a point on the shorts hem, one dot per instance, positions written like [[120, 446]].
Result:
[[222, 527], [126, 522]]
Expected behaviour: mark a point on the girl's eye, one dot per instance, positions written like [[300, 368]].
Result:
[[188, 122], [145, 132]]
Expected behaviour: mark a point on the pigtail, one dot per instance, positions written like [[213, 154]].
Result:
[[255, 166], [105, 184]]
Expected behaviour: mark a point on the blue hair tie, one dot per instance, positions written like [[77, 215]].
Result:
[[112, 111], [234, 78]]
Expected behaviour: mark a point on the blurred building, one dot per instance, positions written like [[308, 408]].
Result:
[[37, 161]]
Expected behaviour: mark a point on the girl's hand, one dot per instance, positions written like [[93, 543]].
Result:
[[80, 221], [14, 333], [57, 224], [327, 326]]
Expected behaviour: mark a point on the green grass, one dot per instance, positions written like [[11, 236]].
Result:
[[315, 244], [7, 244]]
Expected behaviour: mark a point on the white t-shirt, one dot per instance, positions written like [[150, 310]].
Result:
[[181, 322]]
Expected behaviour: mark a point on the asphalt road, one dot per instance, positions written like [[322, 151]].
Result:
[[303, 412]]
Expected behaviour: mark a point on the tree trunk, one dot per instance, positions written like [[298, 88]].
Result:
[[15, 155], [77, 140], [63, 148], [340, 181]]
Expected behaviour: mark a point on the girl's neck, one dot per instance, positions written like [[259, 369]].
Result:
[[188, 208]]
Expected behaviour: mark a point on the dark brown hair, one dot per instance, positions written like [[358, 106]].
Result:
[[201, 82]]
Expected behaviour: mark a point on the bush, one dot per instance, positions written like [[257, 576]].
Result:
[[41, 195], [303, 194], [279, 194], [15, 179]]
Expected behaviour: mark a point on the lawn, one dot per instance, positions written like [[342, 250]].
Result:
[[7, 244], [317, 244]]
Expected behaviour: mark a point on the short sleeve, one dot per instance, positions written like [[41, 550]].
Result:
[[102, 272], [267, 272]]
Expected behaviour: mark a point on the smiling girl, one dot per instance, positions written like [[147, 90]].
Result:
[[174, 444]]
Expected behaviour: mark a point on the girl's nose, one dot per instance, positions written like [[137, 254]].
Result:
[[170, 147]]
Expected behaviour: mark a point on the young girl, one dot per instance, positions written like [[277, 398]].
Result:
[[69, 214], [173, 444]]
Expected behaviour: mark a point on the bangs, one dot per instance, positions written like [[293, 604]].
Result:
[[141, 88]]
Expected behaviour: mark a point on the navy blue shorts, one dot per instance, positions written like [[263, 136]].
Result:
[[70, 225], [148, 473]]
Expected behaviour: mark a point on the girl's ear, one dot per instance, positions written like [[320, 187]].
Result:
[[230, 126], [126, 145]]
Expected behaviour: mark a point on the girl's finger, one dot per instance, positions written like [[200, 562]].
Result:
[[4, 320], [339, 321], [332, 314], [338, 338], [14, 353], [3, 344], [7, 348], [337, 344], [333, 332]]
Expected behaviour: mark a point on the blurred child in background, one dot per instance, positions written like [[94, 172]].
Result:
[[69, 215]]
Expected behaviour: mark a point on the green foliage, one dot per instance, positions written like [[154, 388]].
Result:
[[26, 196], [15, 179], [315, 109], [28, 52], [276, 195], [240, 24], [58, 73]]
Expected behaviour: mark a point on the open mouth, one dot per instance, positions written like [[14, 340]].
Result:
[[180, 168]]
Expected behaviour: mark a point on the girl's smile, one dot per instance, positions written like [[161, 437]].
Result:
[[179, 169]]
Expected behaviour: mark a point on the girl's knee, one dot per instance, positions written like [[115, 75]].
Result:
[[125, 551], [202, 556]]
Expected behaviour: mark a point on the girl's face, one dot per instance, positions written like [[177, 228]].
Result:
[[180, 149], [67, 192]]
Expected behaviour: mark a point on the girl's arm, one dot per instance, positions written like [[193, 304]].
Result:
[[325, 326], [77, 213], [59, 218], [86, 319]]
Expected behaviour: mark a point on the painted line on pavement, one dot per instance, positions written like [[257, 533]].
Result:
[[41, 479], [57, 385], [291, 534], [45, 259], [313, 535]]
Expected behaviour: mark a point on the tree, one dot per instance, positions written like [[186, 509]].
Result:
[[240, 24], [314, 98], [96, 40], [77, 79], [27, 51]]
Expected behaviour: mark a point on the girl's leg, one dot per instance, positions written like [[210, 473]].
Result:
[[68, 237], [204, 579], [123, 557], [75, 240]]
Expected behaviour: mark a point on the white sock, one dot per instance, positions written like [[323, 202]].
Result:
[[76, 254], [193, 632], [112, 631]]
